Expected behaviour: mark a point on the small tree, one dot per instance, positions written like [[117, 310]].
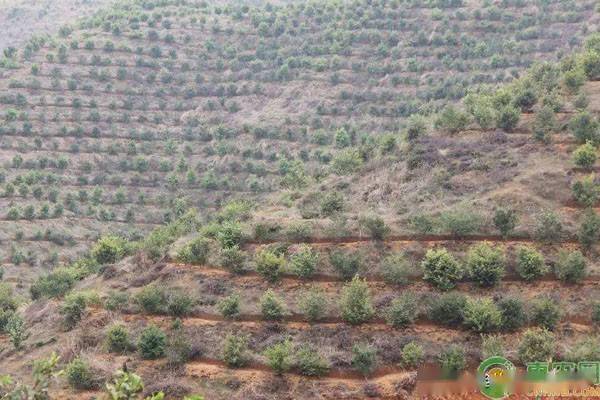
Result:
[[311, 362], [545, 312], [585, 191], [453, 360], [402, 311], [544, 124], [72, 309], [461, 221], [584, 128], [364, 358], [313, 304], [452, 120], [485, 264], [482, 315], [571, 266], [151, 299], [152, 343], [412, 355], [347, 264], [233, 259], [195, 252], [179, 304], [589, 229], [279, 356], [269, 265], [375, 225], [234, 351], [272, 307], [585, 156], [448, 309], [16, 330], [548, 227], [441, 269], [109, 249], [396, 269], [530, 263], [229, 307], [537, 344], [505, 220], [508, 118], [513, 313], [117, 339], [126, 386], [79, 375], [355, 302], [304, 261]]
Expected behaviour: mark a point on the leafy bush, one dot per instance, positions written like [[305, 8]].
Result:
[[396, 269], [179, 304], [304, 261], [229, 234], [229, 306], [545, 312], [416, 127], [585, 191], [272, 307], [355, 302], [313, 304], [332, 203], [482, 315], [364, 358], [279, 356], [452, 120], [117, 339], [513, 314], [116, 301], [505, 220], [548, 227], [152, 343], [441, 269], [375, 225], [537, 344], [544, 124], [491, 346], [452, 360], [448, 309], [402, 311], [530, 263], [460, 222], [79, 375], [233, 259], [151, 299], [311, 362], [72, 309], [179, 350], [55, 284], [571, 266], [346, 162], [585, 156], [412, 355], [508, 118], [485, 264], [234, 351], [195, 251], [109, 249], [269, 265], [16, 330], [584, 128], [347, 264], [589, 229], [126, 385]]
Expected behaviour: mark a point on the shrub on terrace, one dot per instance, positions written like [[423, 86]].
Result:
[[537, 344], [485, 264], [117, 339], [229, 306], [589, 229], [571, 266], [585, 128], [448, 309], [513, 314], [460, 222], [451, 120], [508, 118], [194, 252], [548, 227], [596, 313], [402, 311], [72, 309], [279, 356], [311, 362], [412, 355], [491, 346], [396, 269], [304, 261], [115, 301], [585, 191], [347, 264], [234, 351], [109, 249], [346, 162], [482, 315], [15, 328], [505, 220], [375, 225], [178, 350], [179, 304], [269, 264], [332, 203], [152, 343], [544, 124], [364, 358], [151, 299], [585, 156], [355, 302], [452, 360], [545, 312], [441, 269], [233, 259], [416, 127], [313, 304], [272, 307], [79, 375], [530, 263]]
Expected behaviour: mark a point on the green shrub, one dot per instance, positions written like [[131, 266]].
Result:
[[585, 156], [375, 225], [585, 191], [152, 343], [269, 265], [548, 227], [544, 124], [412, 355], [16, 330], [313, 304], [298, 231], [416, 127], [311, 362], [233, 259], [355, 302], [448, 309], [72, 309], [346, 162], [584, 127], [460, 222], [229, 306], [364, 358], [513, 314], [396, 269], [402, 311], [109, 249], [505, 220], [272, 307], [151, 299], [452, 360], [116, 301], [441, 269], [508, 118], [332, 203], [304, 261], [229, 234], [491, 346], [530, 263], [195, 251], [584, 350], [485, 264], [234, 351], [179, 304], [79, 375], [545, 312], [117, 339], [55, 284], [452, 120], [482, 315], [589, 228], [537, 344], [571, 266], [279, 357], [347, 264], [179, 350]]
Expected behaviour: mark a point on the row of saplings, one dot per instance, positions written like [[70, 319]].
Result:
[[453, 309], [484, 264]]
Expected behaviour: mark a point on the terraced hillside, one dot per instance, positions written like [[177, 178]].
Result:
[[219, 231]]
